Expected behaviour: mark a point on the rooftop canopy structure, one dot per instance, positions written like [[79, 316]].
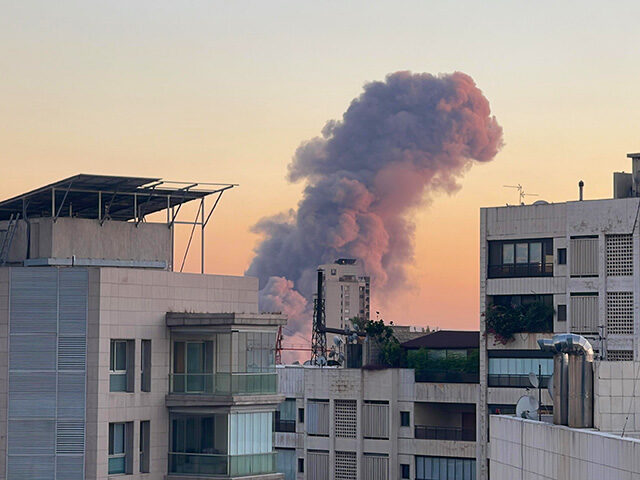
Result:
[[114, 198], [106, 197]]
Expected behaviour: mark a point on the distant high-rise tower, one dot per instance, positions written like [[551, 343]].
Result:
[[346, 292]]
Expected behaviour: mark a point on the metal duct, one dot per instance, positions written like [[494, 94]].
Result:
[[572, 379]]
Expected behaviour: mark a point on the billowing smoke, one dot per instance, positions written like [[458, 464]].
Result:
[[400, 142]]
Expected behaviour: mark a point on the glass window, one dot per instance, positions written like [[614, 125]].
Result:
[[405, 419], [522, 253], [117, 448], [145, 437], [507, 253], [443, 468], [404, 470], [535, 252], [562, 256], [118, 356]]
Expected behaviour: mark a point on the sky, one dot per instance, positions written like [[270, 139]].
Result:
[[220, 91]]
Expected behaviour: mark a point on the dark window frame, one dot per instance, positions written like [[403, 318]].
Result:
[[497, 268], [562, 256], [405, 470], [405, 419]]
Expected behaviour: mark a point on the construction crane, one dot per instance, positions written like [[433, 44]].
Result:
[[521, 193]]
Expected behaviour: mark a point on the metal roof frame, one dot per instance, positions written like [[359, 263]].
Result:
[[117, 198]]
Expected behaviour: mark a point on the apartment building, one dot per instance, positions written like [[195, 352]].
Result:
[[381, 424], [114, 364], [346, 291], [578, 257]]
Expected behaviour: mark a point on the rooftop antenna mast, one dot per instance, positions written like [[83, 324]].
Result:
[[521, 193]]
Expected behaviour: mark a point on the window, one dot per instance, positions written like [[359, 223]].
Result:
[[404, 470], [301, 465], [375, 466], [145, 366], [375, 419], [513, 371], [286, 416], [584, 256], [584, 312], [444, 468], [119, 448], [301, 415], [405, 419], [192, 367], [562, 313], [562, 256], [318, 417], [145, 437], [121, 358], [521, 258]]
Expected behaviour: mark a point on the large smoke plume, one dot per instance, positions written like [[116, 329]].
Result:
[[398, 143]]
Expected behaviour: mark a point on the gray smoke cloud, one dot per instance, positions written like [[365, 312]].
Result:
[[399, 143]]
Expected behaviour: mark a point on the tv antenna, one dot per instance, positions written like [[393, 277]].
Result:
[[521, 193]]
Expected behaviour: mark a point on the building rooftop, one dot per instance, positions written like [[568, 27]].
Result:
[[446, 339], [98, 196]]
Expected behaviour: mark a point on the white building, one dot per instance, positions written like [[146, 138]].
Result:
[[540, 451], [379, 424], [346, 290], [582, 258], [112, 363]]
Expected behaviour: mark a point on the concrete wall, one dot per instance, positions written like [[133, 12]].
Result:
[[86, 238], [396, 386], [616, 394], [131, 304], [525, 449], [4, 365]]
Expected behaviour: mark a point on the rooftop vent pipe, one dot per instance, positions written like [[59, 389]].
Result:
[[581, 187], [572, 379]]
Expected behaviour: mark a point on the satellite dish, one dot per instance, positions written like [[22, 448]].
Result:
[[527, 407], [321, 361], [550, 387], [337, 341], [353, 337], [533, 380]]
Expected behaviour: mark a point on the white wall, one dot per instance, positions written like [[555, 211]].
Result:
[[526, 449]]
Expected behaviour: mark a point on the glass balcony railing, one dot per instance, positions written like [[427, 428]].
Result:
[[513, 380], [445, 433], [221, 465], [223, 383]]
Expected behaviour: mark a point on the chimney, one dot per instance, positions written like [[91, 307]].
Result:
[[581, 187]]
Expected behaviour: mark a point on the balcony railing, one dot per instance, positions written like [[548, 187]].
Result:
[[221, 465], [445, 433], [518, 381], [437, 376], [285, 426], [521, 270], [223, 383]]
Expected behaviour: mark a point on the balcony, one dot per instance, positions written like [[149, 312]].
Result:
[[223, 383], [517, 381], [202, 464], [434, 376], [285, 426], [445, 433], [514, 270]]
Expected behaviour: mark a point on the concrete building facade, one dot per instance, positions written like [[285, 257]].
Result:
[[580, 257], [115, 365], [346, 292], [375, 424]]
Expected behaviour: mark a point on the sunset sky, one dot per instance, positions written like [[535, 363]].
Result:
[[225, 91]]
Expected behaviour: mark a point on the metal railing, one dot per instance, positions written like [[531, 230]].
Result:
[[225, 465], [518, 381], [448, 376], [223, 383], [445, 433], [521, 270]]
